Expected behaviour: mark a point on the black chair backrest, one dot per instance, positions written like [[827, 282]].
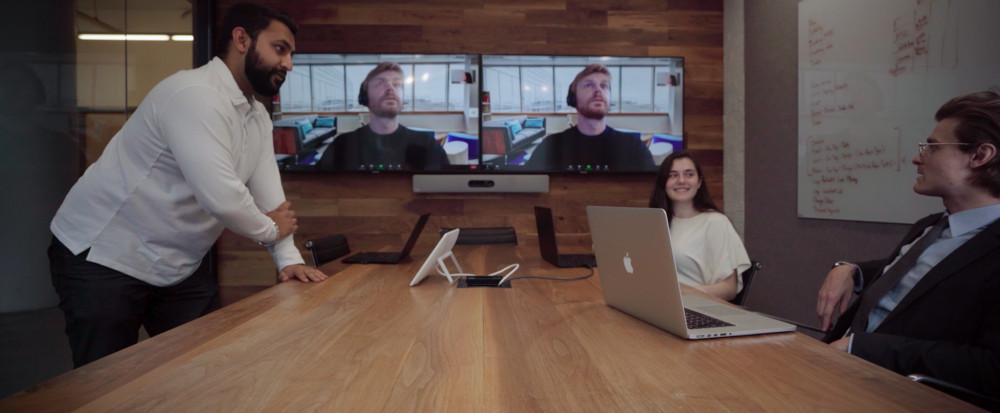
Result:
[[481, 236], [748, 277], [327, 249]]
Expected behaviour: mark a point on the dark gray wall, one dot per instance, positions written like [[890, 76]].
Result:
[[796, 253], [39, 154]]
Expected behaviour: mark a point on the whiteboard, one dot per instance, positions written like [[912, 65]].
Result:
[[872, 73]]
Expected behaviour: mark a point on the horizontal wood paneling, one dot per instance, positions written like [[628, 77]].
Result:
[[659, 21], [379, 210]]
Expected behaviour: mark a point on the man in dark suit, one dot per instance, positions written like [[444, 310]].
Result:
[[933, 306]]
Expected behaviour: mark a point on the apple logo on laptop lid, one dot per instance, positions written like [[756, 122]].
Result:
[[628, 264]]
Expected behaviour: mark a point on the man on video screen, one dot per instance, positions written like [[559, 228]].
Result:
[[591, 143], [383, 144]]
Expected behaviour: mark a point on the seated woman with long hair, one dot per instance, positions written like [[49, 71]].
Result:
[[709, 253]]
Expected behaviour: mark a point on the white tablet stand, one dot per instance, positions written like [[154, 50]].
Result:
[[441, 251], [443, 269]]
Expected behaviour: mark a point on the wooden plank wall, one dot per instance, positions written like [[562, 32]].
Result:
[[375, 210]]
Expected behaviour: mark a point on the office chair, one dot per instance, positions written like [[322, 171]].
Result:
[[327, 249], [741, 298], [986, 402], [483, 236], [748, 277]]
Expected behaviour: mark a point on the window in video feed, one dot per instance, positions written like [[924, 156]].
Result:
[[417, 113], [624, 114]]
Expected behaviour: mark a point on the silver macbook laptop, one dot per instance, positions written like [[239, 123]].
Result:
[[638, 277]]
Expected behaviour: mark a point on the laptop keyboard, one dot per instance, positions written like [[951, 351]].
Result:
[[373, 258], [696, 320]]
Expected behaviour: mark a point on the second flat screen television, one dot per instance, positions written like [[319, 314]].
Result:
[[580, 114]]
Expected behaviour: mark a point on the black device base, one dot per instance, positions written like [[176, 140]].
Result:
[[491, 281]]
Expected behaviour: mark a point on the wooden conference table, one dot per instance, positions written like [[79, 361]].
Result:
[[365, 341]]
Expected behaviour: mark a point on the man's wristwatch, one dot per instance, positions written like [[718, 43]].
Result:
[[858, 280], [276, 235]]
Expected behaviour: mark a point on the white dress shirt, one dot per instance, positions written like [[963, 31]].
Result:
[[196, 157]]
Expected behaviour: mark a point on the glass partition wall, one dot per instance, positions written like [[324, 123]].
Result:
[[67, 86]]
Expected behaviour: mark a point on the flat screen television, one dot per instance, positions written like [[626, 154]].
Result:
[[323, 122], [624, 115]]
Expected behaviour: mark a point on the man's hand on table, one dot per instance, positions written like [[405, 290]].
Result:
[[302, 273]]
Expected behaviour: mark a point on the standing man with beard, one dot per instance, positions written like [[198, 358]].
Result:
[[383, 143], [195, 158], [591, 142]]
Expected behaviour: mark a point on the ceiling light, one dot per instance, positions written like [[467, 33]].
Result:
[[136, 37]]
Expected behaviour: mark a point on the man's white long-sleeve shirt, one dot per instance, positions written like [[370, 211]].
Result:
[[196, 157]]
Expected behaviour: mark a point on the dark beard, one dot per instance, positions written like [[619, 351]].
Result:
[[385, 113], [260, 77], [589, 113]]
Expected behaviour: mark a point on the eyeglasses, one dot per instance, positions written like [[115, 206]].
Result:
[[925, 147]]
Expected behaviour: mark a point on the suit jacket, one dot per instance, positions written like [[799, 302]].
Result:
[[948, 326]]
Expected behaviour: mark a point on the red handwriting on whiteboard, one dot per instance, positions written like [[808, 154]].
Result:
[[837, 164], [826, 98], [820, 41], [910, 41]]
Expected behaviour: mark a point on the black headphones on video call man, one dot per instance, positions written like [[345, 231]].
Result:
[[363, 94], [571, 96]]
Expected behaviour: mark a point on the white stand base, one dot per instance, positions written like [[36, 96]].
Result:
[[443, 269]]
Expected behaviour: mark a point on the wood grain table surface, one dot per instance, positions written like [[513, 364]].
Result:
[[364, 341]]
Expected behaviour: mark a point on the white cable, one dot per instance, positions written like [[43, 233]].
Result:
[[512, 270], [502, 280]]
